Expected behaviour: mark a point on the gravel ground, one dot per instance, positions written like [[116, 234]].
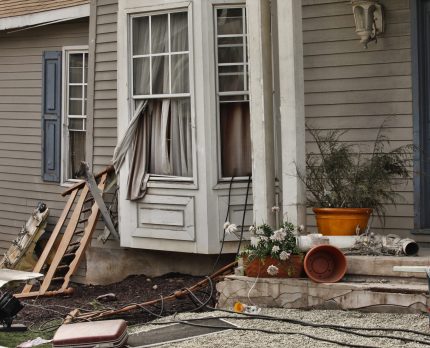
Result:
[[254, 338]]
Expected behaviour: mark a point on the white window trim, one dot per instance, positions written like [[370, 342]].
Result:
[[64, 107], [135, 9], [216, 94]]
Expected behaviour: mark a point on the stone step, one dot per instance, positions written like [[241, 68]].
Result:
[[383, 265], [303, 293]]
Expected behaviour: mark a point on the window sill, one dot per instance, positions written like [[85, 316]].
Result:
[[70, 183], [423, 231], [172, 184], [241, 182]]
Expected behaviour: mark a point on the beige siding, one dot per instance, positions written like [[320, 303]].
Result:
[[349, 87], [21, 186], [12, 8], [105, 108]]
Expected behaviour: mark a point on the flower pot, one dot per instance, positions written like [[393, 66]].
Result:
[[325, 264], [290, 268], [342, 221]]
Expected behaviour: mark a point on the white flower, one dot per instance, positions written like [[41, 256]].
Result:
[[284, 255], [278, 235], [301, 228], [275, 209], [272, 270], [226, 224], [255, 241], [275, 249], [232, 228], [264, 238], [259, 231], [252, 229]]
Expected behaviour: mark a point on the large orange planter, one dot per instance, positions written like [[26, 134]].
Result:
[[342, 221]]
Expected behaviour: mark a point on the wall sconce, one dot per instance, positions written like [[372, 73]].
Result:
[[369, 19]]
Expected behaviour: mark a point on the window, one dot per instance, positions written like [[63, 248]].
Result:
[[64, 110], [75, 112], [160, 58], [233, 91]]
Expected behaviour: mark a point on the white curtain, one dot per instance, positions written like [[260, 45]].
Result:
[[160, 131], [235, 139]]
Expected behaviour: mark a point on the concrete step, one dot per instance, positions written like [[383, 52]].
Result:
[[303, 293]]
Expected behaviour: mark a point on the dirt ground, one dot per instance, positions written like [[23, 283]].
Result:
[[41, 312]]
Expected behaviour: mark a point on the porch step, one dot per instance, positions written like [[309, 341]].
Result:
[[382, 266], [303, 293]]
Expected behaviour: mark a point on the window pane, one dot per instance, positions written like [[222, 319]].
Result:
[[159, 34], [168, 131], [229, 21], [231, 78], [141, 35], [76, 60], [160, 75], [235, 139], [179, 32], [75, 91], [75, 107], [141, 82], [75, 75], [76, 124], [76, 153], [230, 54], [180, 73]]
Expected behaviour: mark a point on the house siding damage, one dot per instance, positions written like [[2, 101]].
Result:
[[346, 87]]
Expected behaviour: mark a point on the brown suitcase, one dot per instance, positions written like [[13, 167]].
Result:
[[107, 333]]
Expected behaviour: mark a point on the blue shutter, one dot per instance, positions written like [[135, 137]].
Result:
[[51, 116]]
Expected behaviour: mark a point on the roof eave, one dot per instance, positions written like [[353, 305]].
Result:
[[45, 17]]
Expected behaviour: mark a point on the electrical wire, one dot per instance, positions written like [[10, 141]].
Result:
[[329, 326], [225, 220], [243, 216]]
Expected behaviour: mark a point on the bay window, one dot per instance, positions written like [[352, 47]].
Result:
[[160, 70], [233, 91]]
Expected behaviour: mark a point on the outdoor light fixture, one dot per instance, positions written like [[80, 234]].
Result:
[[369, 19]]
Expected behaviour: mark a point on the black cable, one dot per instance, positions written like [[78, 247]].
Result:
[[347, 329], [225, 220], [202, 304], [257, 317], [329, 326], [244, 213]]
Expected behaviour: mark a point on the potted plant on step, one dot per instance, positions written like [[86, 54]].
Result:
[[273, 253], [347, 182]]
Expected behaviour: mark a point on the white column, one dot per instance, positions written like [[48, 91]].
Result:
[[261, 97], [292, 111]]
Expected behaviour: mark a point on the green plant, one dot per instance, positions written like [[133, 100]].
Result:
[[278, 244], [345, 175]]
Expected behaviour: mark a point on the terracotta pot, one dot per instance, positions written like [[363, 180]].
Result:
[[341, 221], [325, 264], [291, 268]]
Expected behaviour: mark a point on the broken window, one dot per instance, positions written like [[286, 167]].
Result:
[[75, 106], [160, 70], [233, 91]]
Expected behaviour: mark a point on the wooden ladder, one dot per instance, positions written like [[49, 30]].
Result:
[[77, 235]]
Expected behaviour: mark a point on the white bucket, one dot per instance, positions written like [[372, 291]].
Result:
[[307, 242]]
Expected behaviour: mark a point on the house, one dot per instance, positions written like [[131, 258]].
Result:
[[226, 87]]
